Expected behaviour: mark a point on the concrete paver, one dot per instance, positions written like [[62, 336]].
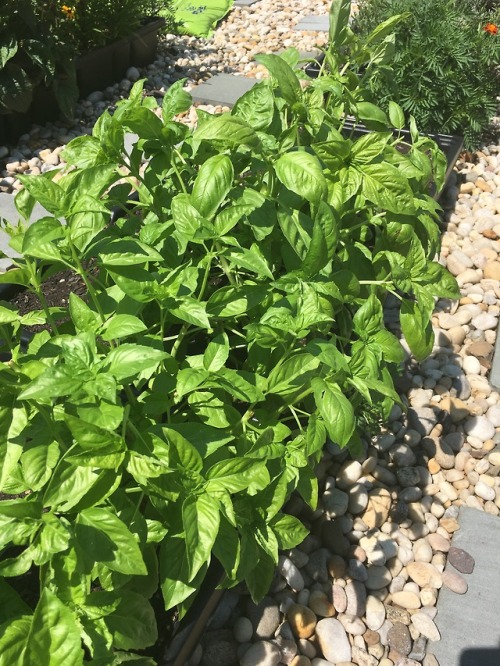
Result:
[[469, 624]]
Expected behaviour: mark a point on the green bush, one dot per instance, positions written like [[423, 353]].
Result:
[[446, 68], [231, 323]]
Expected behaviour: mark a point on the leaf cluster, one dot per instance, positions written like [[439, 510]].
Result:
[[233, 322], [445, 70]]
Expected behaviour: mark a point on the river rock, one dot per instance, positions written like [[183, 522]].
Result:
[[399, 638], [375, 613], [262, 653], [454, 581], [461, 560], [265, 617], [480, 427], [424, 574], [302, 620], [406, 599], [333, 640], [377, 511], [378, 577], [425, 626]]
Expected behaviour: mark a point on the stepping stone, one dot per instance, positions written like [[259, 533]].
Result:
[[222, 89], [468, 623], [244, 3], [313, 24], [9, 212], [495, 366]]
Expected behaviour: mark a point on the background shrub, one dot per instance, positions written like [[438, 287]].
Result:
[[446, 66]]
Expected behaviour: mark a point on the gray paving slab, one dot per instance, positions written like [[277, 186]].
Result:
[[470, 624], [244, 3], [222, 89], [495, 366], [9, 212], [313, 24]]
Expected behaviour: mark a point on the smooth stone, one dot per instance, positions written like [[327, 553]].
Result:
[[399, 638], [378, 577], [362, 657], [377, 510], [407, 600], [335, 502], [358, 498], [262, 653], [408, 476], [438, 542], [421, 419], [265, 617], [349, 473], [353, 625], [133, 74], [425, 626], [485, 321], [493, 415], [301, 660], [375, 613], [302, 620], [424, 574], [482, 490], [480, 427], [430, 660], [461, 560], [320, 604], [356, 598], [357, 570], [419, 649], [243, 630], [291, 573], [339, 597], [454, 581], [333, 640]]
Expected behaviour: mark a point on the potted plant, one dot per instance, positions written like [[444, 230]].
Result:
[[229, 325]]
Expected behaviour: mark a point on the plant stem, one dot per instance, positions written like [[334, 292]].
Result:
[[180, 338]]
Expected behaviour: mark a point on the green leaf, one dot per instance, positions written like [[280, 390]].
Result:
[[226, 131], [336, 410], [54, 636], [289, 531], [126, 252], [68, 485], [46, 192], [212, 184], [13, 640], [191, 311], [252, 259], [338, 23], [301, 172], [37, 464], [324, 240], [200, 517], [256, 107], [8, 50], [55, 382], [176, 100], [369, 147], [105, 538], [122, 326], [174, 572], [142, 121], [133, 623], [416, 326], [234, 301], [396, 115], [183, 454], [284, 75], [128, 360], [383, 185], [372, 116], [260, 576], [389, 346], [216, 353], [292, 374], [83, 317], [235, 474], [368, 319], [226, 547], [12, 607]]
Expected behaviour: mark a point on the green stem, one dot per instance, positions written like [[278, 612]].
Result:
[[180, 338], [93, 295], [179, 178]]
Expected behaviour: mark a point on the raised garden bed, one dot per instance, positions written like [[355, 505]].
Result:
[[95, 70]]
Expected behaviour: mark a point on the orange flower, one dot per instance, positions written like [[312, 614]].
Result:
[[491, 28], [68, 11]]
